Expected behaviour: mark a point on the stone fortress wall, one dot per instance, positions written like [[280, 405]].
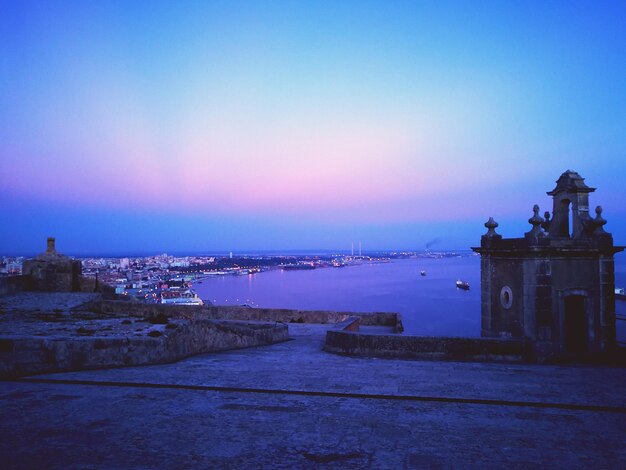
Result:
[[392, 320], [15, 284], [88, 339], [95, 336], [347, 339]]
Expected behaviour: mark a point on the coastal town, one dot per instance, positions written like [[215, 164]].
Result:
[[169, 279]]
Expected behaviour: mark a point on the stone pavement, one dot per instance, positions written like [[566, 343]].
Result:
[[290, 405]]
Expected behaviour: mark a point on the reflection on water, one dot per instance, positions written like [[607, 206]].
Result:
[[430, 305]]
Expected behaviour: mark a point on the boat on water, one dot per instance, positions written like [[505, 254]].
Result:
[[422, 273], [620, 293], [462, 285]]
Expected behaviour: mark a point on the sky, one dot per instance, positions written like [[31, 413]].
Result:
[[154, 126]]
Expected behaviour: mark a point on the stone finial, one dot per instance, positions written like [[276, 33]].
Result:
[[536, 221], [491, 228], [599, 221], [546, 224], [51, 245]]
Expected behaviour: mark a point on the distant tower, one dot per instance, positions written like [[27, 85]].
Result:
[[51, 246], [52, 271], [352, 248], [555, 286], [231, 255], [359, 249]]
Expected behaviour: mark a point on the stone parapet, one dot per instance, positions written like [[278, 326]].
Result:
[[25, 355], [424, 347], [14, 284], [125, 308]]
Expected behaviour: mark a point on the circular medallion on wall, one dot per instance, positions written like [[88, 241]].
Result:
[[506, 297]]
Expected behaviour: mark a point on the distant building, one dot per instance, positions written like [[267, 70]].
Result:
[[555, 286], [52, 271]]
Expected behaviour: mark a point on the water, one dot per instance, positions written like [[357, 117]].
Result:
[[429, 305]]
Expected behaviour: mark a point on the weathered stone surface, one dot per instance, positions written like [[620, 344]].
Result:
[[247, 314], [290, 405], [47, 332], [13, 284], [31, 355], [559, 278], [423, 347], [52, 271]]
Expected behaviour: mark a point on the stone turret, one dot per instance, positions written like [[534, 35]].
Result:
[[52, 271], [570, 201], [554, 287], [51, 245]]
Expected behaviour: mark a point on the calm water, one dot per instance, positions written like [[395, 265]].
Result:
[[429, 305]]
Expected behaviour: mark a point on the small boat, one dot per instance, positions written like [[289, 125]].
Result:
[[462, 285], [423, 273], [620, 293]]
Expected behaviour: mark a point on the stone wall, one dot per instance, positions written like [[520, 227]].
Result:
[[33, 355], [14, 284], [54, 273], [126, 308], [305, 316], [26, 283], [423, 347]]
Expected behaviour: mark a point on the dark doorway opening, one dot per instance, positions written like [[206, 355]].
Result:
[[565, 218], [575, 324]]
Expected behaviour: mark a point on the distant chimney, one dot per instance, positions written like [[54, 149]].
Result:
[[51, 247]]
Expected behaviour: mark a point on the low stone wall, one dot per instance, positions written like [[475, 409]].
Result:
[[245, 313], [423, 347], [32, 355], [125, 308], [25, 283], [304, 316], [14, 284]]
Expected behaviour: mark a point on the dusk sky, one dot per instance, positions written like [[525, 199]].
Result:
[[139, 127]]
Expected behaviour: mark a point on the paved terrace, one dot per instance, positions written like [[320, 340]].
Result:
[[290, 405]]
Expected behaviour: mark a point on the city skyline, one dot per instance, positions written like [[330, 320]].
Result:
[[216, 127]]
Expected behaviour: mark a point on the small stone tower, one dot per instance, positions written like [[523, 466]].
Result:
[[52, 271], [555, 286]]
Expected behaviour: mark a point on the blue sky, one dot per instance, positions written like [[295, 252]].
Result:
[[218, 126]]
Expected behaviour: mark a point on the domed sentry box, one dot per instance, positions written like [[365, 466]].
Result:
[[554, 287]]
